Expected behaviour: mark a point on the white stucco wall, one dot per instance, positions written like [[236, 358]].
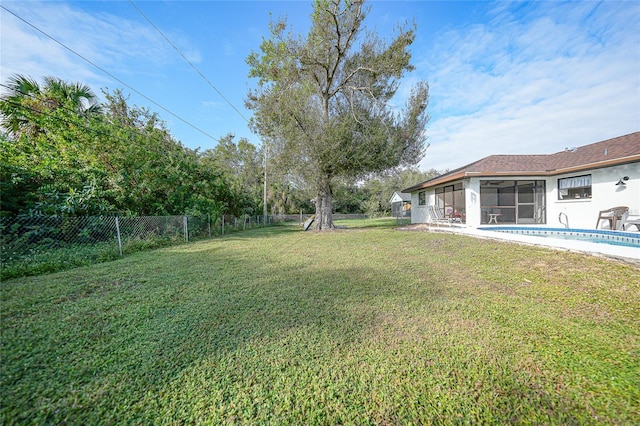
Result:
[[420, 214], [582, 213], [395, 198], [604, 194], [472, 201]]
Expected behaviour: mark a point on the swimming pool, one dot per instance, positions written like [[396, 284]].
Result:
[[602, 236]]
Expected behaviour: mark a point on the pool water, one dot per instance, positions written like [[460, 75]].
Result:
[[618, 238]]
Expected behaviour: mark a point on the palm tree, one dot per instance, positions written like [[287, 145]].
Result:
[[16, 105], [75, 96], [26, 101]]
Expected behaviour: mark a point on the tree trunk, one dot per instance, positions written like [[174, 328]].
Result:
[[324, 206]]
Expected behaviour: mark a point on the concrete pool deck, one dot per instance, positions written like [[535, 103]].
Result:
[[623, 253]]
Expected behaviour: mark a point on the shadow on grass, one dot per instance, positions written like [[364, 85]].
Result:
[[227, 326], [95, 341]]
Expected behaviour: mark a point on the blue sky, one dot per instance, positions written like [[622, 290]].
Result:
[[505, 77]]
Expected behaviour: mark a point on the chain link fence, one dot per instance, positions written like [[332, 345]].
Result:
[[40, 244], [31, 245]]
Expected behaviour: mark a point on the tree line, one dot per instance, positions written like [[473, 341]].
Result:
[[64, 153]]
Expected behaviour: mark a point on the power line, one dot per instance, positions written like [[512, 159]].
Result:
[[64, 120], [109, 74], [131, 130], [188, 61], [214, 88], [32, 96]]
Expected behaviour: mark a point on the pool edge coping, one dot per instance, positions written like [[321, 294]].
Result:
[[630, 255]]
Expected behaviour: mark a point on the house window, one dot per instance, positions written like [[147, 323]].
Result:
[[576, 187], [422, 198]]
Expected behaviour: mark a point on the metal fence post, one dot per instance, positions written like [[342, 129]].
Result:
[[222, 224], [186, 229], [209, 224], [118, 232]]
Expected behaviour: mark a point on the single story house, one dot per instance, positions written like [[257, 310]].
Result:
[[569, 188], [400, 204]]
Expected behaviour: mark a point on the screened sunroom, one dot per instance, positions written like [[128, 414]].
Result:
[[450, 199], [512, 201]]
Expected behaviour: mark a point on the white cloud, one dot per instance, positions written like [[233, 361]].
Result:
[[526, 78], [213, 104], [25, 51], [533, 81], [115, 44]]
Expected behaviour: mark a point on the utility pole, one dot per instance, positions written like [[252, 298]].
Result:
[[264, 200]]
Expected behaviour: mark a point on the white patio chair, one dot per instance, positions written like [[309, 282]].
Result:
[[437, 216]]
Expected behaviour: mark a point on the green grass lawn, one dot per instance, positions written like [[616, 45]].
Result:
[[366, 325]]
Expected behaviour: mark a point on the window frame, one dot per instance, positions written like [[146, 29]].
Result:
[[571, 192], [422, 198]]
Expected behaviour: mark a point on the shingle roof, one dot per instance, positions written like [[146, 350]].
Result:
[[405, 196], [620, 150]]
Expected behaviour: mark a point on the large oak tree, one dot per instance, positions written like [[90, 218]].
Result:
[[323, 101]]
